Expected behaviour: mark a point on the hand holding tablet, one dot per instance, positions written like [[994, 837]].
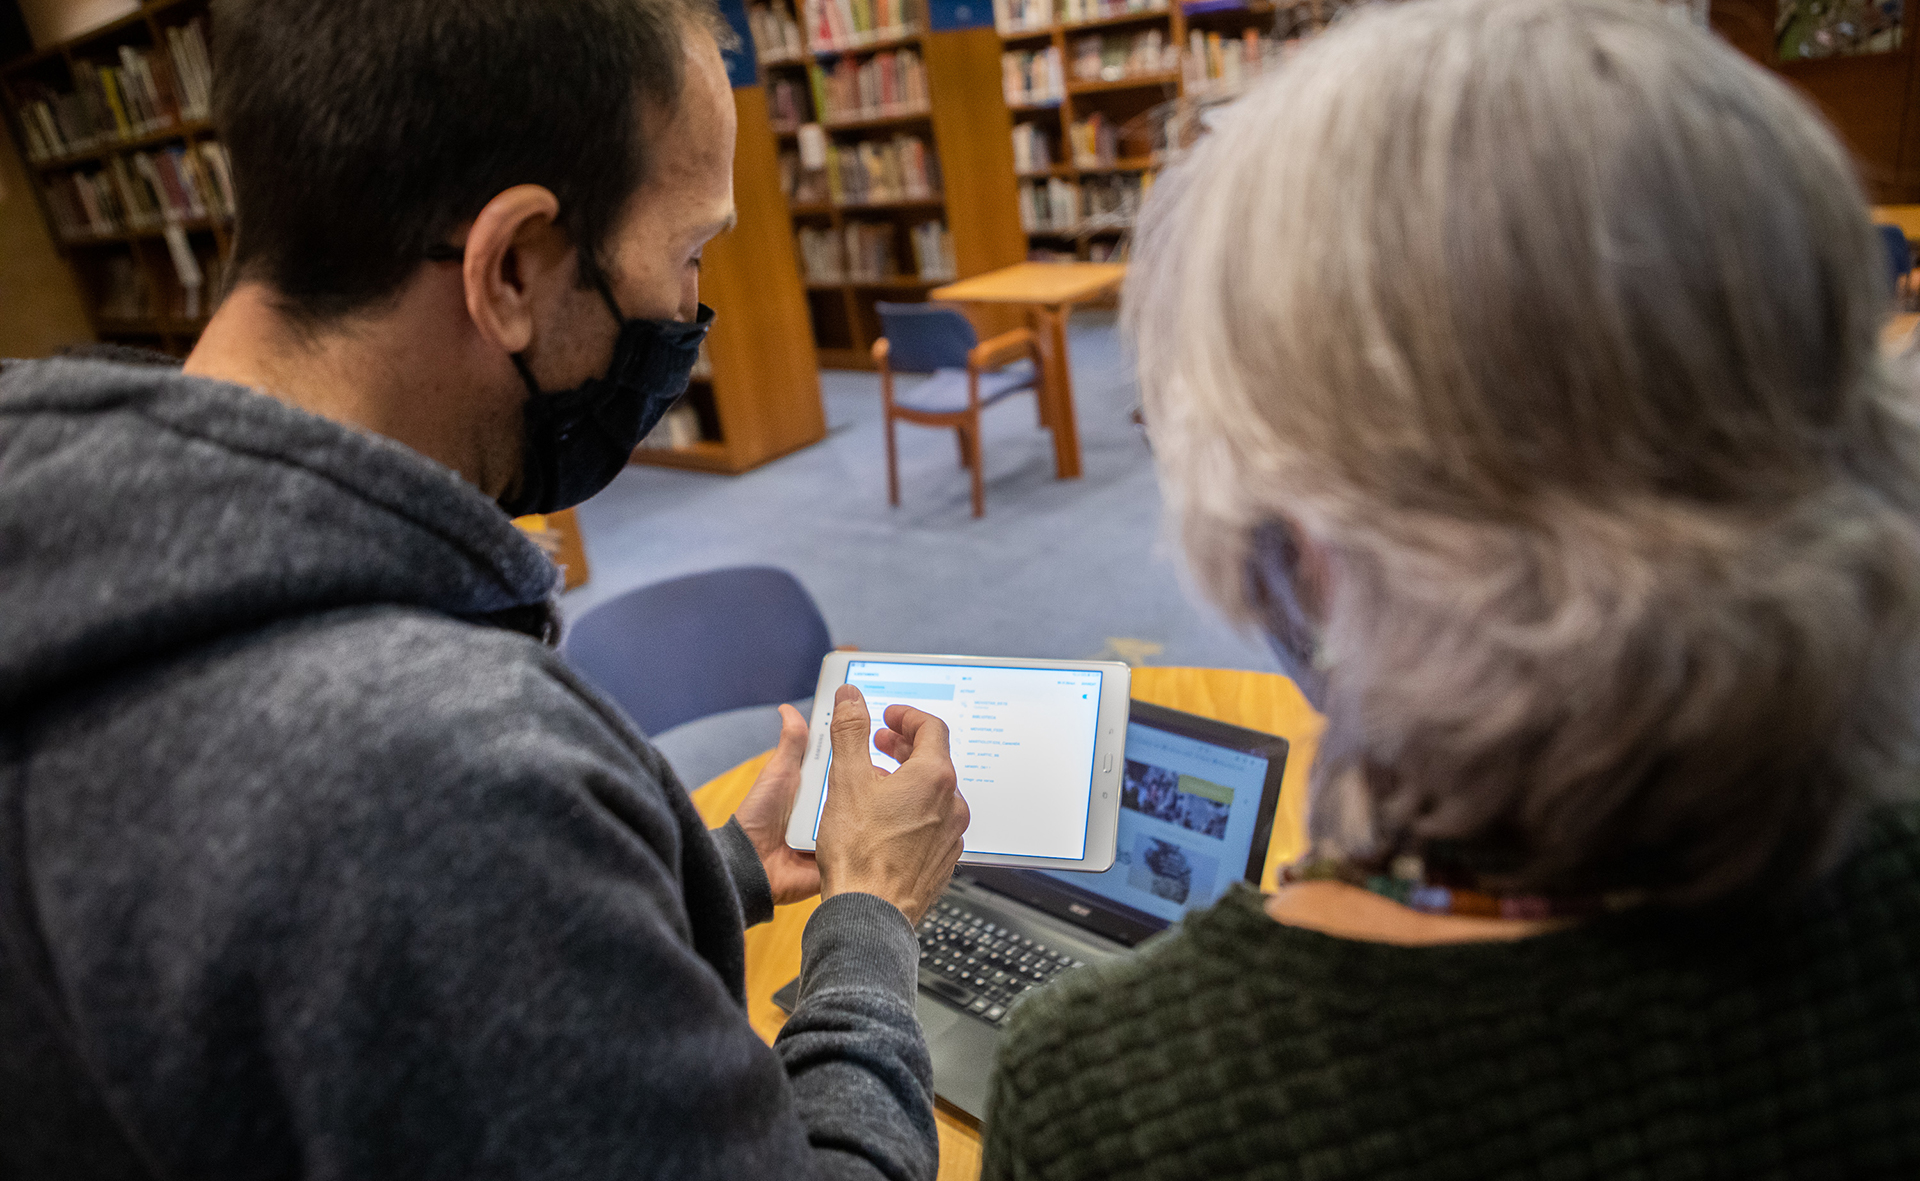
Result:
[[1036, 748], [896, 834]]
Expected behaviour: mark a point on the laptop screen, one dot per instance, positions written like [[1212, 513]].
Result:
[[1188, 810], [1196, 811]]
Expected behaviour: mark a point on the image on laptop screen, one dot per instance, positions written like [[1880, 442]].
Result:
[[1188, 814]]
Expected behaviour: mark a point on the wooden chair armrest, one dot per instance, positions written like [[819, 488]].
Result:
[[881, 350], [993, 353]]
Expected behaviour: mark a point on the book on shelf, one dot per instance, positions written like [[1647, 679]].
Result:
[[1096, 142], [125, 290], [787, 105], [821, 254], [1112, 202], [1049, 206], [148, 91], [879, 171], [886, 84], [678, 429], [1116, 56], [1218, 67], [869, 251], [1032, 148], [802, 185], [1032, 77], [835, 25], [933, 251], [1074, 11], [776, 34], [1022, 16]]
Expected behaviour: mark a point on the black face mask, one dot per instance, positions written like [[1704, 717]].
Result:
[[1273, 570], [577, 440]]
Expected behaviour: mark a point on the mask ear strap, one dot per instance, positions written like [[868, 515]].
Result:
[[526, 374]]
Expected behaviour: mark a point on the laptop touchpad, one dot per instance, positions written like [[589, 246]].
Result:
[[935, 1018]]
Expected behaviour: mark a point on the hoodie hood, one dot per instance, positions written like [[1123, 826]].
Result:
[[143, 511]]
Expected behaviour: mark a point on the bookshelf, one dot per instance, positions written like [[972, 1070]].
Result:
[[133, 184], [883, 129], [755, 394], [1091, 87], [134, 188]]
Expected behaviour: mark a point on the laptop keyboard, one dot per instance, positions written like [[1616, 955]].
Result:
[[979, 965]]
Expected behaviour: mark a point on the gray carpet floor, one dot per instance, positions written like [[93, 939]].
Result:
[[1057, 568]]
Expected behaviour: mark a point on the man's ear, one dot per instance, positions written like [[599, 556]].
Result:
[[515, 258]]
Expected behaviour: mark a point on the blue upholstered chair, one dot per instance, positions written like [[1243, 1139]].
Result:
[[1899, 257], [720, 640], [967, 377]]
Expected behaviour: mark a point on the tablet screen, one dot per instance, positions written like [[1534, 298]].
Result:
[[1022, 739]]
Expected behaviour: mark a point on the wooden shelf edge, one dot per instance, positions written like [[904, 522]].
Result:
[[145, 139], [1137, 82], [865, 123], [1124, 18], [845, 359], [706, 456]]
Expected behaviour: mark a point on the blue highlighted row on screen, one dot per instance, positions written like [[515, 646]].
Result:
[[904, 690]]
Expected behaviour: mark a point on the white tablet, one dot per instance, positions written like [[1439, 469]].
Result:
[[1039, 746]]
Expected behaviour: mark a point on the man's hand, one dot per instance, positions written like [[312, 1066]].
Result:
[[763, 814], [896, 835]]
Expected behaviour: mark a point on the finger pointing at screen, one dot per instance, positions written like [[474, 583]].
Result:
[[894, 835]]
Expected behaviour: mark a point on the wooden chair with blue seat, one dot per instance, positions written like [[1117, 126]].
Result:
[[967, 375]]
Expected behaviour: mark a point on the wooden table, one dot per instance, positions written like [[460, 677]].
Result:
[[1259, 701], [1050, 289], [1907, 217]]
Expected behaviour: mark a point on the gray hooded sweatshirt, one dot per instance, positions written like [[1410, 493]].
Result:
[[315, 861]]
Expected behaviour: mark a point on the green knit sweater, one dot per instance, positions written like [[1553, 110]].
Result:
[[1648, 1045]]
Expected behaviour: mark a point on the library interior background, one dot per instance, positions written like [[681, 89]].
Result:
[[888, 151]]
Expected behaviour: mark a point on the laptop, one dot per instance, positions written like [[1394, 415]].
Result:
[[1196, 812]]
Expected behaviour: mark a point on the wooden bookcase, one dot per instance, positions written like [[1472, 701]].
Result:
[[1138, 101], [122, 264], [758, 394], [963, 127]]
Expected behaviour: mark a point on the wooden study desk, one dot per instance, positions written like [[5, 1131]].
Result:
[[1050, 289], [1258, 701], [1907, 217]]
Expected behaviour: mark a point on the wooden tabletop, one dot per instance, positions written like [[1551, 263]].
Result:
[[1907, 217], [1036, 282], [1258, 701]]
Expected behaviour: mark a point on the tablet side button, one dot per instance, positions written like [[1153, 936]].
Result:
[[1107, 766]]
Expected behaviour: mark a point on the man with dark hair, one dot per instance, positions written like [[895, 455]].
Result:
[[314, 859]]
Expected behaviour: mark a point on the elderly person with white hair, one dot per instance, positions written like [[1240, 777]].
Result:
[[1512, 364]]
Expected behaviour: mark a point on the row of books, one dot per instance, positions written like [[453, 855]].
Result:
[[1115, 56], [1220, 66], [148, 91], [1032, 77], [129, 291], [787, 105], [1021, 16], [848, 24], [878, 171], [678, 429], [864, 252], [776, 35], [892, 83], [1032, 148], [1058, 206], [803, 185], [143, 191], [1095, 140]]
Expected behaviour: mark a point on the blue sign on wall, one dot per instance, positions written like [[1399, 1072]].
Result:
[[743, 67], [960, 14]]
